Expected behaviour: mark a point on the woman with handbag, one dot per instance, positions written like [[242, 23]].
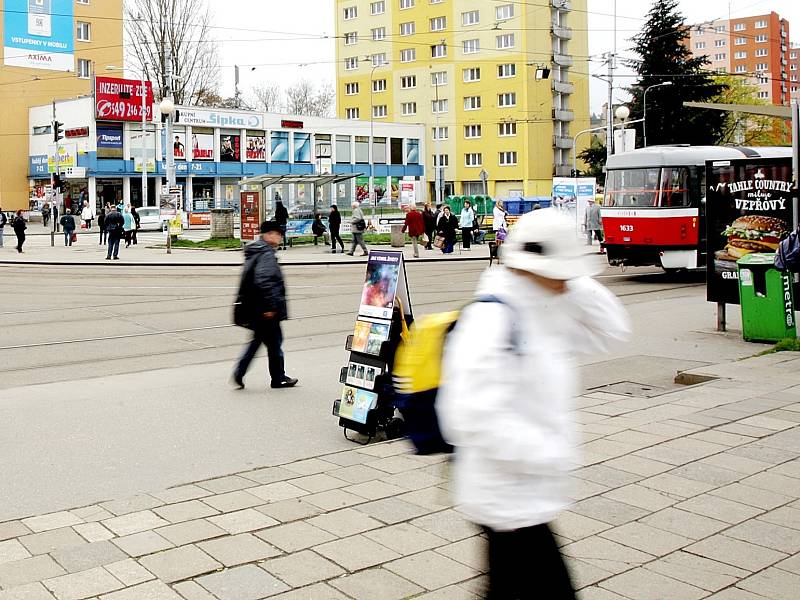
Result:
[[446, 228], [499, 223], [358, 226]]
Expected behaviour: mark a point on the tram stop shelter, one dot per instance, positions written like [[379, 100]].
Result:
[[304, 193]]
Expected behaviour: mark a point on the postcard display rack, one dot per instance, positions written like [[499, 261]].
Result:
[[366, 404]]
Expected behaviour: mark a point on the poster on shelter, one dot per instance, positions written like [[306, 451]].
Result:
[[380, 287], [230, 147], [256, 147], [202, 145]]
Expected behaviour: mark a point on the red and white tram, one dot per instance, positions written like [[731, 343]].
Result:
[[654, 203]]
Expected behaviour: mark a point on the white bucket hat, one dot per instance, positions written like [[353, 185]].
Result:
[[545, 242]]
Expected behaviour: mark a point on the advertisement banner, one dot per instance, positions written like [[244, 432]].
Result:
[[121, 99], [230, 147], [67, 157], [178, 145], [109, 141], [250, 215], [748, 209], [202, 146], [219, 118], [168, 206], [279, 146], [302, 147], [39, 34], [408, 193], [256, 148], [151, 165], [379, 183], [586, 189], [380, 287]]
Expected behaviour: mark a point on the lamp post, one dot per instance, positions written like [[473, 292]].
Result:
[[644, 108], [372, 198]]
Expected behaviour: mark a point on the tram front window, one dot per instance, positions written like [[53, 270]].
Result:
[[632, 187]]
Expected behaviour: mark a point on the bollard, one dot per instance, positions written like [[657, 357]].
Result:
[[52, 238]]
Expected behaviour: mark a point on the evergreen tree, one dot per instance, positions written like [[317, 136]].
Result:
[[662, 46]]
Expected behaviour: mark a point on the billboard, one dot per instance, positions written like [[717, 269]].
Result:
[[38, 34], [256, 147], [109, 141], [202, 145], [230, 147], [121, 99], [219, 118]]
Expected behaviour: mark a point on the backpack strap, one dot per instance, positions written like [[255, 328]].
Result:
[[514, 334]]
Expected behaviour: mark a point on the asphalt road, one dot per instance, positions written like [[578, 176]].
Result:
[[117, 383]]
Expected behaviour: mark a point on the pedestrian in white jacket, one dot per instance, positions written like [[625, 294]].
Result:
[[508, 383]]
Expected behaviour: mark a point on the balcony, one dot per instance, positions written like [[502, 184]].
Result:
[[559, 31], [563, 115], [562, 170], [563, 87], [561, 4], [562, 60], [565, 143]]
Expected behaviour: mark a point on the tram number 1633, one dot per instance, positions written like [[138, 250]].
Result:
[[626, 227]]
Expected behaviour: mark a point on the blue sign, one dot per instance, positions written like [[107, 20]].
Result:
[[585, 189], [37, 165], [38, 34]]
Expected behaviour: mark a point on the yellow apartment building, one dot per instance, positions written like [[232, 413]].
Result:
[[501, 88], [50, 50]]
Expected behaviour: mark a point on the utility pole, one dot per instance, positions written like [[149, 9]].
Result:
[[144, 142], [437, 160], [170, 116], [610, 111]]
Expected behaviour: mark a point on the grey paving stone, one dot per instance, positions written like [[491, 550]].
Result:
[[642, 497], [385, 449], [185, 511], [751, 496], [269, 475], [292, 509], [11, 550], [12, 529], [647, 585], [739, 464], [310, 466], [318, 483], [392, 510], [181, 493], [49, 541], [707, 473], [735, 593], [433, 498], [608, 476], [606, 554], [675, 486], [88, 556], [638, 465], [131, 505], [348, 458], [736, 552], [319, 591], [179, 563], [242, 583], [431, 570], [646, 538], [766, 534], [50, 521], [29, 570], [357, 473], [191, 531], [302, 568], [85, 584], [93, 532], [374, 490], [238, 549], [295, 536], [607, 510], [697, 571], [774, 483], [683, 523], [143, 543], [277, 491], [574, 526], [190, 590], [785, 516], [232, 501], [376, 583], [719, 508], [791, 564], [471, 552], [223, 485], [451, 592], [394, 464], [333, 499], [414, 480], [345, 522], [129, 572], [242, 521], [31, 591], [152, 590], [447, 524], [134, 522], [758, 451], [405, 538], [356, 552], [774, 584], [91, 514]]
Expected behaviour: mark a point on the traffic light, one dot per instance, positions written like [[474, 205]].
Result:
[[58, 131], [56, 182]]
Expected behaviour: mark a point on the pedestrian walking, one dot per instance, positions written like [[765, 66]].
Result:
[[3, 222], [593, 224], [446, 228], [358, 225], [45, 214], [281, 217], [467, 224], [19, 224], [262, 302], [136, 224], [499, 222], [335, 224], [318, 229], [429, 218], [115, 226], [68, 224], [128, 224], [414, 225], [513, 436], [87, 214], [55, 217], [101, 223]]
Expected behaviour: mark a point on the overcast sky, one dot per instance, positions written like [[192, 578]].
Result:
[[285, 41]]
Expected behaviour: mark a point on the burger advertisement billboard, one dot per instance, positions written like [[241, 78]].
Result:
[[748, 209]]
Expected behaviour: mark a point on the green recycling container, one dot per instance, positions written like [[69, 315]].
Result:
[[766, 297]]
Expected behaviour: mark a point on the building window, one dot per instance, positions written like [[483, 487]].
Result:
[[761, 52], [507, 99], [351, 12], [378, 59], [793, 67], [506, 129], [408, 108], [436, 1], [406, 4], [343, 150], [739, 27], [700, 46], [351, 89], [84, 32], [763, 95], [472, 74], [504, 12], [720, 43], [720, 56], [350, 38], [377, 8], [762, 67], [793, 55], [439, 51], [442, 160], [720, 29], [84, 68], [506, 70], [438, 23], [740, 41], [439, 78], [761, 24], [763, 80], [472, 17], [351, 113], [408, 82], [472, 102], [378, 85], [350, 63], [740, 69], [408, 28], [761, 38], [439, 106], [440, 133], [740, 54], [508, 159], [362, 149], [412, 151], [505, 41], [471, 46], [378, 34], [380, 111], [408, 55], [472, 131], [473, 159]]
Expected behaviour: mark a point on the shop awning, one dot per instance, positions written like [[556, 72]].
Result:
[[310, 178]]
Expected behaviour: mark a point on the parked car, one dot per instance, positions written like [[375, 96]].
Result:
[[150, 219]]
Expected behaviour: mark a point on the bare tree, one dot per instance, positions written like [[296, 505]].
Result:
[[304, 98], [176, 30], [266, 97]]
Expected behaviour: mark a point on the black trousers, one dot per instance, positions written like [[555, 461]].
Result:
[[335, 237], [525, 564], [268, 333], [20, 240], [466, 236]]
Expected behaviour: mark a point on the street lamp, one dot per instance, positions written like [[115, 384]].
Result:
[[373, 199], [644, 108], [167, 107]]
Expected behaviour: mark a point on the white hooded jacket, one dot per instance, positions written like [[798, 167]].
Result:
[[508, 411]]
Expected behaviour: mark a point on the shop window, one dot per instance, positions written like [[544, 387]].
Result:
[[343, 153], [279, 146], [396, 151]]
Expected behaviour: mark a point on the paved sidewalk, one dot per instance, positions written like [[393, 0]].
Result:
[[685, 495]]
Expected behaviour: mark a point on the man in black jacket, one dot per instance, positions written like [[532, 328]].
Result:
[[281, 218], [115, 226], [263, 297]]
